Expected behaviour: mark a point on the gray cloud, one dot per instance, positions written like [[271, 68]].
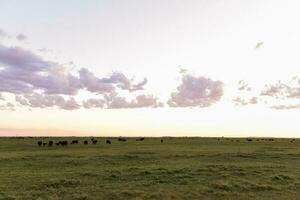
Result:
[[37, 100], [196, 91], [284, 107], [3, 34], [39, 83], [243, 102], [8, 106], [141, 101], [283, 90], [242, 85], [107, 85], [1, 97], [94, 103], [21, 37]]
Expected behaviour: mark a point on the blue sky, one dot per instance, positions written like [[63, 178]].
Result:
[[150, 67]]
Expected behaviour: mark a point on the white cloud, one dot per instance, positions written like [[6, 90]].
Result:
[[196, 91]]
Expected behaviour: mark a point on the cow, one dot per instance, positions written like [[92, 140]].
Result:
[[108, 142], [50, 143], [140, 139], [94, 141], [40, 143], [57, 143], [85, 142], [74, 142], [122, 140], [161, 141], [63, 143], [249, 140], [45, 143]]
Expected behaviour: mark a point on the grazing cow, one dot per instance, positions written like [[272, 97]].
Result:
[[140, 139], [40, 143], [122, 140], [108, 142], [63, 143], [85, 142], [161, 141], [94, 141], [57, 143], [74, 142], [249, 140], [45, 143], [50, 143]]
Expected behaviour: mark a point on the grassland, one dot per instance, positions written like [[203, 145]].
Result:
[[178, 168]]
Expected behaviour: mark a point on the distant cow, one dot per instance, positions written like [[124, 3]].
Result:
[[50, 143], [161, 141], [63, 143], [140, 139], [57, 143], [122, 140], [85, 142], [249, 140], [108, 142], [74, 142], [40, 143], [45, 143], [94, 141]]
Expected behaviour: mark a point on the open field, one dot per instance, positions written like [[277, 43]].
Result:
[[178, 168]]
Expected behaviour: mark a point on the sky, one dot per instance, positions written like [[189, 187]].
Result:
[[150, 68]]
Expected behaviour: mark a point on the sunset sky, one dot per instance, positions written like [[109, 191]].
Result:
[[150, 68]]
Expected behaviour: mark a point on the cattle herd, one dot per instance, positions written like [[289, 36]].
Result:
[[120, 139], [85, 142]]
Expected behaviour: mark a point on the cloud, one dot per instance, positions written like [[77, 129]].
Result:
[[242, 85], [24, 72], [8, 106], [93, 83], [21, 37], [285, 107], [141, 101], [3, 34], [1, 97], [243, 102], [40, 83], [107, 85], [196, 91], [283, 90], [253, 100], [94, 103], [37, 100]]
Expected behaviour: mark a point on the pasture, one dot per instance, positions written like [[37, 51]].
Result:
[[177, 168]]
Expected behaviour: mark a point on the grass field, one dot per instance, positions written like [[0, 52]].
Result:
[[178, 168]]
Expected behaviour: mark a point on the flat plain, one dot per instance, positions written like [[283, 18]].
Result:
[[177, 168]]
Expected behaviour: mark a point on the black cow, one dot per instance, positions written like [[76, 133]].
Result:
[[85, 142], [45, 143], [108, 142], [94, 141], [122, 140], [161, 141], [140, 139], [63, 143], [249, 140], [74, 142], [40, 143], [50, 143]]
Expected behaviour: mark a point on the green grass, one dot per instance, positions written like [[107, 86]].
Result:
[[178, 168]]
